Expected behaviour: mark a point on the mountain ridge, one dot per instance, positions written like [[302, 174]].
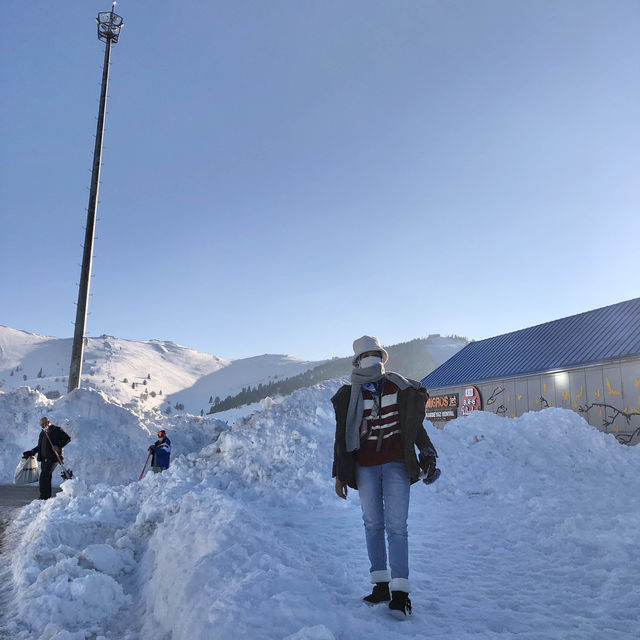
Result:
[[165, 376]]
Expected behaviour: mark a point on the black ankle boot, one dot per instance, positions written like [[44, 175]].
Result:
[[379, 594], [400, 605]]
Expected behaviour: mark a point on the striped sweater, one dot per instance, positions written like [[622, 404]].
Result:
[[380, 439]]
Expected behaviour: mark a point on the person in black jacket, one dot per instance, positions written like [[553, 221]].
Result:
[[379, 425], [51, 441]]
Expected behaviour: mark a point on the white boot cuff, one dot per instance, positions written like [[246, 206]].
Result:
[[380, 576], [400, 584]]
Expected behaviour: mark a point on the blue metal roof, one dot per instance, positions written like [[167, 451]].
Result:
[[601, 335]]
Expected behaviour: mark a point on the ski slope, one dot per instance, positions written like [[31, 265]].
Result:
[[530, 532], [151, 373]]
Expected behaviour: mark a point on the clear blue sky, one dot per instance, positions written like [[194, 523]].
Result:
[[285, 176]]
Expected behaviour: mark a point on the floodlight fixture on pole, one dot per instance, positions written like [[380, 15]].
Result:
[[109, 26]]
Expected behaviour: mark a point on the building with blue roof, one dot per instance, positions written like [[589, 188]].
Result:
[[589, 362]]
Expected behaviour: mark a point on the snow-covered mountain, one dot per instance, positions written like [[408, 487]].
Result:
[[152, 373], [165, 376]]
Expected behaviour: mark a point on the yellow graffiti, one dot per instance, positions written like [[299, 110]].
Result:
[[551, 403], [581, 393], [601, 413], [610, 391], [544, 387], [565, 396], [616, 429], [519, 397], [597, 393], [637, 382], [508, 399], [575, 404], [513, 415]]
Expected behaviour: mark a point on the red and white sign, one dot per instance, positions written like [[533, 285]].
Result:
[[471, 401]]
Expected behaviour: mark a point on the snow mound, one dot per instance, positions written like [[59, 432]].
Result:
[[545, 447], [109, 441]]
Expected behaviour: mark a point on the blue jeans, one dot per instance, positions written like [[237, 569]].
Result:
[[384, 497]]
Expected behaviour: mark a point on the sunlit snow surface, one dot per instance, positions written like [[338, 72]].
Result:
[[531, 531]]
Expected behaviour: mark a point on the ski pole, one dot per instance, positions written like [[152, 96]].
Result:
[[145, 466]]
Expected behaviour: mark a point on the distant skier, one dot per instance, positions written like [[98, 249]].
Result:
[[161, 452], [378, 424], [46, 453]]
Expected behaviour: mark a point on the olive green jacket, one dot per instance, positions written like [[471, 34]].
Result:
[[411, 408]]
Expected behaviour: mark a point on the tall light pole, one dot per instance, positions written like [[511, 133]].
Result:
[[109, 25]]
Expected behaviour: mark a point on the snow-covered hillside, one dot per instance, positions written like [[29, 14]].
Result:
[[169, 377], [150, 373], [529, 533]]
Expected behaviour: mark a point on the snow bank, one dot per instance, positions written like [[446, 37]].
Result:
[[109, 441], [515, 459], [530, 532]]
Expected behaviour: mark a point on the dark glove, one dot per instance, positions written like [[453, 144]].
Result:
[[151, 448], [26, 454], [428, 464]]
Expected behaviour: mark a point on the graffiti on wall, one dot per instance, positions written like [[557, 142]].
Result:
[[609, 414], [494, 394]]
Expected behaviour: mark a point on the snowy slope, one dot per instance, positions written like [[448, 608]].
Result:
[[530, 533], [151, 373], [441, 348], [163, 374], [249, 372]]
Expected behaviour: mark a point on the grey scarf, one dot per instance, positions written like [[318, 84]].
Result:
[[356, 403]]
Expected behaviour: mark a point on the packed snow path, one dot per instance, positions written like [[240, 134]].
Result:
[[529, 533]]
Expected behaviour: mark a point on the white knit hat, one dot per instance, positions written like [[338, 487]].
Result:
[[367, 343]]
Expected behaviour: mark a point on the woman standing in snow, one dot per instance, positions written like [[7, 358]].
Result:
[[378, 425]]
